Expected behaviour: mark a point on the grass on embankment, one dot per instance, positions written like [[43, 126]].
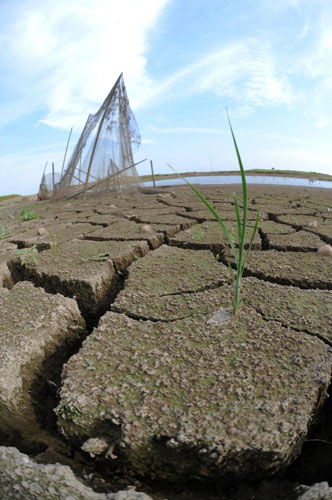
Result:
[[255, 171], [8, 196]]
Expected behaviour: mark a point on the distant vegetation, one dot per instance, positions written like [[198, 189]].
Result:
[[254, 171], [8, 196]]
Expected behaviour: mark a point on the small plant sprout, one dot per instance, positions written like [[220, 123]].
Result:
[[198, 234], [55, 244], [240, 255], [28, 254], [28, 213], [3, 232], [96, 258]]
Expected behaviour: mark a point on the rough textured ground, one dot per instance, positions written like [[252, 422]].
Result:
[[23, 479], [36, 329], [194, 397], [162, 387]]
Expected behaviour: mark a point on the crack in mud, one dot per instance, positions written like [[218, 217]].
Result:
[[198, 290], [150, 318], [303, 284], [304, 330]]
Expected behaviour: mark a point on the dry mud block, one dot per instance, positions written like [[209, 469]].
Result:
[[302, 269], [23, 479], [171, 219], [165, 284], [324, 231], [141, 213], [86, 270], [37, 331], [299, 241], [210, 236], [127, 230], [271, 227], [8, 253], [51, 235], [306, 310], [300, 221], [194, 397], [200, 214]]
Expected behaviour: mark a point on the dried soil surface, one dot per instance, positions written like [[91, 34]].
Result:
[[167, 386]]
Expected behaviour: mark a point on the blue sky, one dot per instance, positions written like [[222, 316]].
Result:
[[268, 61]]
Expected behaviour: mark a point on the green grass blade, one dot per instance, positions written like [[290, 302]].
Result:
[[238, 218], [212, 210], [251, 240], [244, 183]]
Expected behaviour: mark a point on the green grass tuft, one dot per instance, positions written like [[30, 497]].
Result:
[[240, 255]]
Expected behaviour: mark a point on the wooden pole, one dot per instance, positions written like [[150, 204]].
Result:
[[53, 179], [79, 172], [109, 97], [64, 158], [95, 184], [152, 172]]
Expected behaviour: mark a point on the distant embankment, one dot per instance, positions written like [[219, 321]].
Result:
[[8, 196], [257, 171]]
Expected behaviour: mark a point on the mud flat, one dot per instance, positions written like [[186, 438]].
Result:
[[121, 359]]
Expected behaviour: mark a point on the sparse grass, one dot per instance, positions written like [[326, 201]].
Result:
[[96, 258], [3, 232], [28, 213], [240, 255], [28, 254], [198, 234], [8, 196], [55, 244]]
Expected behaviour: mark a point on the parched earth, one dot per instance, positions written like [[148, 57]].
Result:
[[119, 355]]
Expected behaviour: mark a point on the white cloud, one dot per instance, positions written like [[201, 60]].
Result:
[[309, 159], [245, 72], [64, 56], [186, 130], [148, 141], [314, 62], [24, 169]]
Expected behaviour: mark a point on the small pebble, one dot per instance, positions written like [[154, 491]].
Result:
[[325, 250]]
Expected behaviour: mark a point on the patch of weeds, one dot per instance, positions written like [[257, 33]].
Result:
[[90, 366], [28, 213], [240, 256], [8, 196], [198, 234], [55, 244], [28, 254], [71, 414], [3, 232], [96, 258]]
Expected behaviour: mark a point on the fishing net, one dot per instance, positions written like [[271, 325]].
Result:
[[47, 185], [103, 157]]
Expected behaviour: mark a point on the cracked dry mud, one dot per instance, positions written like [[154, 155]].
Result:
[[113, 361]]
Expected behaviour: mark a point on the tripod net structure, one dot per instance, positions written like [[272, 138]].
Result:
[[103, 157]]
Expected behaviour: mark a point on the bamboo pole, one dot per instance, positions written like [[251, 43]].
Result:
[[64, 158], [82, 171], [53, 183], [152, 172], [95, 184], [110, 96], [79, 171]]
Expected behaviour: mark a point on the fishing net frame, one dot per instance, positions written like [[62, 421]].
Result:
[[103, 158]]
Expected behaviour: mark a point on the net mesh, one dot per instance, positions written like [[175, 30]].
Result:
[[47, 183], [103, 157]]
